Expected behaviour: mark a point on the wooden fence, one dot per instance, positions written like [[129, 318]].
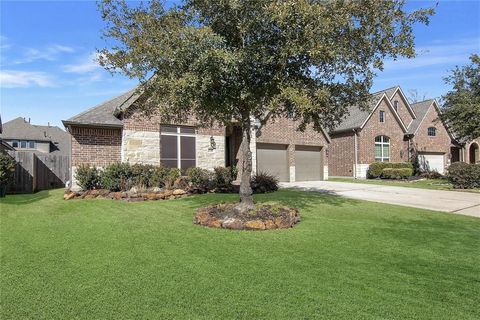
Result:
[[35, 172]]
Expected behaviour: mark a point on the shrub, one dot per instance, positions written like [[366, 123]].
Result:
[[142, 175], [397, 173], [375, 169], [464, 176], [223, 177], [7, 168], [263, 182], [164, 177], [200, 179], [87, 177], [431, 175], [117, 177]]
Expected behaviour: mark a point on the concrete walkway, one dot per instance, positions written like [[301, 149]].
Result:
[[465, 203]]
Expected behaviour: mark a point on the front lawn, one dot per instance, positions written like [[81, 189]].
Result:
[[434, 184], [346, 259]]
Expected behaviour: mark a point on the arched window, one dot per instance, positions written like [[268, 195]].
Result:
[[432, 131], [382, 149]]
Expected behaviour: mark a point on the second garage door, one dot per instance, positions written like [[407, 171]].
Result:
[[432, 162], [273, 159], [308, 163]]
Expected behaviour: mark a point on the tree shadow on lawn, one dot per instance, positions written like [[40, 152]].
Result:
[[26, 198], [293, 198]]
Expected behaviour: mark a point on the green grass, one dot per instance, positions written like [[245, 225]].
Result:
[[346, 259], [434, 184]]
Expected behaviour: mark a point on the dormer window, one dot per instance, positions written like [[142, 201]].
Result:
[[432, 131], [382, 116], [395, 105]]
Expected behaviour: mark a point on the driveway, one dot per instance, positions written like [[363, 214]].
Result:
[[448, 201]]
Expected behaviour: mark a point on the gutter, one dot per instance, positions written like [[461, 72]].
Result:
[[94, 125]]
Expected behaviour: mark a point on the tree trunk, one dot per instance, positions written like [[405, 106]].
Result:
[[246, 197]]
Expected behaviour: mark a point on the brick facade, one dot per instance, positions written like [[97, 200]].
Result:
[[390, 128], [403, 111], [471, 151], [97, 146], [341, 154], [440, 143]]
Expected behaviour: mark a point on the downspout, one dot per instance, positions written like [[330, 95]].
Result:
[[355, 154]]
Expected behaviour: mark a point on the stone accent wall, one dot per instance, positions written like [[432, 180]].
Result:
[[361, 172], [141, 147], [403, 111], [440, 143], [95, 146], [390, 128], [208, 158], [341, 154]]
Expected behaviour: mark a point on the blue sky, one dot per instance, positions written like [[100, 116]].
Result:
[[47, 72]]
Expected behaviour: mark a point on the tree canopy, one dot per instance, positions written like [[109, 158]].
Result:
[[235, 60], [461, 105]]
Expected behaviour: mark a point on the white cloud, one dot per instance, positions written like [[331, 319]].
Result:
[[19, 79], [89, 65], [49, 53], [438, 53]]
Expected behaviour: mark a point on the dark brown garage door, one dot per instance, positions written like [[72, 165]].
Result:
[[273, 159], [308, 163]]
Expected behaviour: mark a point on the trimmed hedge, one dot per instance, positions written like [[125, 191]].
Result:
[[375, 169], [463, 175], [397, 173]]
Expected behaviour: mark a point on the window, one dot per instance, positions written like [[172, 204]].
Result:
[[382, 149], [177, 147], [23, 144], [31, 144], [395, 105], [432, 131], [15, 144], [382, 116]]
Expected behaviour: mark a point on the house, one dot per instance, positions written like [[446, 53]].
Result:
[[390, 130], [4, 146], [118, 131], [42, 154], [469, 151], [23, 136]]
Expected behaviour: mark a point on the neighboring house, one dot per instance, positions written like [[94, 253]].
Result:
[[469, 151], [4, 146], [117, 131], [391, 130], [21, 135]]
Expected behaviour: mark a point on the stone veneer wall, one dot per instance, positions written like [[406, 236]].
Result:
[[208, 158], [141, 147]]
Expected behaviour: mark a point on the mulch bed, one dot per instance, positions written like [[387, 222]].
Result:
[[263, 217]]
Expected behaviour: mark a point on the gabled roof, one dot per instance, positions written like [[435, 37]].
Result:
[[404, 97], [104, 113], [421, 109]]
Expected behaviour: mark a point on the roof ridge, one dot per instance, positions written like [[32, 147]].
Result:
[[383, 90], [99, 105]]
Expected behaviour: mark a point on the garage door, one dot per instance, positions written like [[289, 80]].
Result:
[[431, 162], [273, 159], [308, 163]]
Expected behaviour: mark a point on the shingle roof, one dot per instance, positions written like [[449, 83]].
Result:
[[420, 109], [19, 129], [356, 117], [103, 114]]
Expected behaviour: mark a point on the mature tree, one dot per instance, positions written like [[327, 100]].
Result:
[[461, 105], [238, 60]]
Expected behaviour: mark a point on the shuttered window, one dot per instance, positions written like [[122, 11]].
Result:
[[177, 147]]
